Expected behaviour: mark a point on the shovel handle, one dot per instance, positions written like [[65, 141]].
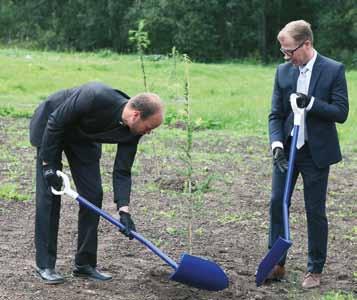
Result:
[[73, 194], [298, 119], [288, 183], [298, 112]]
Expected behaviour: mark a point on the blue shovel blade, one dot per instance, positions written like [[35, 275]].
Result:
[[273, 257], [200, 273]]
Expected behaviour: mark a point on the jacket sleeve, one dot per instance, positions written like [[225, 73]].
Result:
[[334, 109], [66, 115], [124, 160], [277, 115]]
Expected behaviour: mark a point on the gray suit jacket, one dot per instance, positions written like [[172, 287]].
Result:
[[328, 86]]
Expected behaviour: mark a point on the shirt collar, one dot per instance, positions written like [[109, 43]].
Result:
[[310, 63], [121, 121]]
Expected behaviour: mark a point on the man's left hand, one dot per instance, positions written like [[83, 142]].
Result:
[[126, 220], [51, 178], [302, 100]]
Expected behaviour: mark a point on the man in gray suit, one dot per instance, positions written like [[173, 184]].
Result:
[[319, 86], [77, 121]]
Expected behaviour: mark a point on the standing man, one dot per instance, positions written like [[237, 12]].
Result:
[[319, 85], [77, 121]]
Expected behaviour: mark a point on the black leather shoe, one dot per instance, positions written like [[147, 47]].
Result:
[[90, 272], [50, 276]]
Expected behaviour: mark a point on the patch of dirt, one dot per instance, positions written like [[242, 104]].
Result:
[[230, 226], [171, 183]]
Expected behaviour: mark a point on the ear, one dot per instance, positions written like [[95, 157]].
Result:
[[136, 115]]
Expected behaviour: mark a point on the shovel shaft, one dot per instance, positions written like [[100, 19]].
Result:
[[192, 270], [288, 183], [281, 245], [136, 235]]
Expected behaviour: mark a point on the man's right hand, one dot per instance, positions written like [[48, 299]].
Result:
[[51, 178], [279, 159], [302, 100]]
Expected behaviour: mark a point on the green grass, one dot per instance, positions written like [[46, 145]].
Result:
[[338, 296], [9, 191], [232, 96]]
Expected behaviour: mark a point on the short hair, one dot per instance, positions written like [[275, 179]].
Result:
[[147, 103], [299, 30]]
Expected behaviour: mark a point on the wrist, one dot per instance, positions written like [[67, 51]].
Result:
[[311, 103]]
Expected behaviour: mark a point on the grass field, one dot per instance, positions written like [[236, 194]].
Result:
[[226, 96]]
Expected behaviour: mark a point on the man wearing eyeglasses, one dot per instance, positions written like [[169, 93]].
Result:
[[318, 83]]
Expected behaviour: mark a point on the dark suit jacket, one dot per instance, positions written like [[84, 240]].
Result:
[[328, 86], [84, 117]]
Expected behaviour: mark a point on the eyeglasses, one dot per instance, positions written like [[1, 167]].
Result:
[[290, 52]]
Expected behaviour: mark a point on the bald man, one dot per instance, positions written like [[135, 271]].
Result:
[[77, 121]]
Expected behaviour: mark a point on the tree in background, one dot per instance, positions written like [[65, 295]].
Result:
[[336, 30], [208, 30], [140, 39]]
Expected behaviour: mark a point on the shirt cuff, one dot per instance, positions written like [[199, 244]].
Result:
[[310, 104], [123, 208], [122, 202], [276, 144]]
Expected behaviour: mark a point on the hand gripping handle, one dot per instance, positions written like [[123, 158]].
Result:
[[298, 112], [68, 191], [66, 186]]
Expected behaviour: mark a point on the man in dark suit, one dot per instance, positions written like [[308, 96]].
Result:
[[77, 121], [319, 86]]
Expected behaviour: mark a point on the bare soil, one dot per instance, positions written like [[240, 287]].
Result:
[[230, 222]]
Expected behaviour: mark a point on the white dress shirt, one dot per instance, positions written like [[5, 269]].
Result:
[[302, 86]]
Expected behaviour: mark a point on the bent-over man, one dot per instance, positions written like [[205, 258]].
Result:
[[77, 121]]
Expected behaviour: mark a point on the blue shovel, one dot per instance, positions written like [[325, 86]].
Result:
[[192, 270], [282, 244]]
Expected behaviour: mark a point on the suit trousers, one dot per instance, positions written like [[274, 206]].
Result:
[[315, 188], [87, 179]]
